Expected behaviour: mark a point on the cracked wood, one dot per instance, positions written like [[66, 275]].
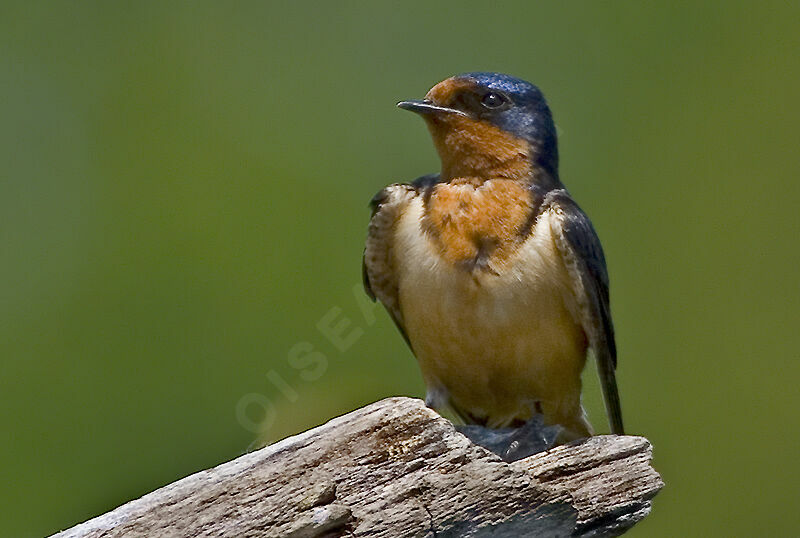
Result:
[[396, 468]]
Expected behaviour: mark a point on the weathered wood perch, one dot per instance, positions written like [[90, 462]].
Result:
[[393, 469]]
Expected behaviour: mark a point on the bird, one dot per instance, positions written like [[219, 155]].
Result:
[[493, 274]]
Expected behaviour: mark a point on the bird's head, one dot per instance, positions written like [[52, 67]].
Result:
[[489, 125]]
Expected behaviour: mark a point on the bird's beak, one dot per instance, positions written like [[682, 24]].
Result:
[[423, 106]]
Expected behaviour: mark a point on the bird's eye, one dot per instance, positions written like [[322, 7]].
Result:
[[492, 100]]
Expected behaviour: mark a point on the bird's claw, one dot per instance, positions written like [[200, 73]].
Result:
[[513, 444]]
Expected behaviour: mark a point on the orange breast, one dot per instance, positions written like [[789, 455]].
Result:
[[478, 226]]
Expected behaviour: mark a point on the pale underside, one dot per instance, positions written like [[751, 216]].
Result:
[[499, 344]]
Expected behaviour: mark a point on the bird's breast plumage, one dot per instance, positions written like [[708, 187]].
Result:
[[477, 226], [488, 305]]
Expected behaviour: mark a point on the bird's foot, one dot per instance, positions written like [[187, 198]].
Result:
[[513, 444]]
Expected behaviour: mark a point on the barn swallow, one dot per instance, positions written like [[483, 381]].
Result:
[[493, 274]]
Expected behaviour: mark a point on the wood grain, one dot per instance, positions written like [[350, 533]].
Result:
[[395, 468]]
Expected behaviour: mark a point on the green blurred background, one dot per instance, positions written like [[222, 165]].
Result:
[[183, 192]]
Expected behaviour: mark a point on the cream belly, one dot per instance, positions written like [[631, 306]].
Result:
[[498, 345]]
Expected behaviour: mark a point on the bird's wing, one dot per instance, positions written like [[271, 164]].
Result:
[[583, 256], [378, 267]]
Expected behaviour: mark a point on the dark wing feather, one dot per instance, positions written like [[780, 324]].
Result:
[[380, 280], [374, 205], [384, 197], [580, 248]]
